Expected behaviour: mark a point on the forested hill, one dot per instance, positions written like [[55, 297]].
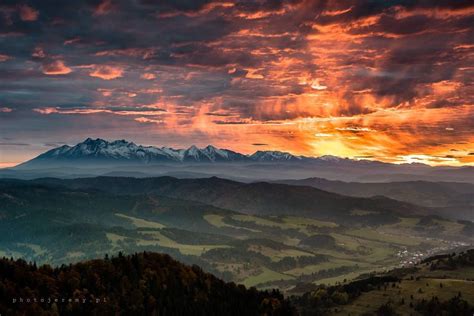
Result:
[[140, 284], [439, 285]]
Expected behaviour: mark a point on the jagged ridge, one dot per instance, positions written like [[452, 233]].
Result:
[[122, 150]]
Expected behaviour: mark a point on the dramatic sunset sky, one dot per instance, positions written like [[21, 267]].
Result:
[[376, 79]]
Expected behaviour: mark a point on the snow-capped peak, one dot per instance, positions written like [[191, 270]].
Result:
[[274, 156], [124, 151], [330, 158]]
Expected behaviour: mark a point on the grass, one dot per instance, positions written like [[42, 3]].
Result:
[[331, 264], [409, 223], [370, 249], [464, 273], [374, 235], [340, 278], [141, 223], [258, 220], [347, 242], [161, 240], [405, 222], [364, 250], [302, 221], [362, 212], [266, 275], [279, 254], [218, 221], [370, 301], [452, 228], [422, 284]]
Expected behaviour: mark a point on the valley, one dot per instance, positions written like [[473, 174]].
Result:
[[438, 285], [61, 221]]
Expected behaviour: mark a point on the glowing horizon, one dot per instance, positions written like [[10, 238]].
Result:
[[386, 81]]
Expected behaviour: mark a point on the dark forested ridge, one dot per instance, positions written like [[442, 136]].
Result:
[[140, 284], [260, 198], [448, 199]]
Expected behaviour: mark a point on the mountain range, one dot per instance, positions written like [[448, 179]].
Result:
[[449, 199], [259, 198], [100, 150], [98, 157]]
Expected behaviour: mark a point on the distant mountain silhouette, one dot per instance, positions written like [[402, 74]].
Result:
[[94, 157], [260, 198], [100, 150], [451, 199]]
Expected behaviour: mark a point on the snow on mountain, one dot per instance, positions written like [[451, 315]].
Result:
[[274, 156], [216, 154], [330, 158], [100, 149], [123, 151]]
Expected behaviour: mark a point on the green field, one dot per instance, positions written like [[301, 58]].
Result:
[[440, 285], [266, 275], [218, 221], [263, 249]]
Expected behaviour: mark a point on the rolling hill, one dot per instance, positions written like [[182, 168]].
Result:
[[449, 199], [259, 198]]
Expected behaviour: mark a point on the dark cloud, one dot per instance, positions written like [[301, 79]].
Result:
[[14, 144], [218, 114], [180, 5], [240, 62], [232, 122]]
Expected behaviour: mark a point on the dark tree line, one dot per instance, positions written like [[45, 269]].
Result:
[[456, 306], [321, 300], [140, 284]]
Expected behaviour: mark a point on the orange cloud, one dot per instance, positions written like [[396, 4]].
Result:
[[27, 13], [38, 52], [8, 164], [6, 110], [148, 76], [148, 120], [138, 111], [144, 53], [4, 57], [56, 67], [103, 8], [107, 72]]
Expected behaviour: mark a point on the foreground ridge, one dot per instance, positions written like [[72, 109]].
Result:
[[142, 284]]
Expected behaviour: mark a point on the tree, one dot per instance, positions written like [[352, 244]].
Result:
[[386, 310]]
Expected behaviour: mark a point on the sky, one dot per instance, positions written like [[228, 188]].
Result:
[[390, 80]]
